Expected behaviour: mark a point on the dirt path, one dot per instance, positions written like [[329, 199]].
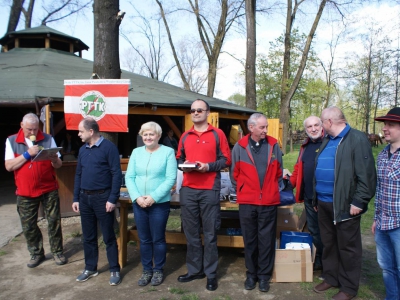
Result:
[[49, 281]]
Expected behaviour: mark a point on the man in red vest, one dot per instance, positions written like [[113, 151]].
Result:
[[36, 183]]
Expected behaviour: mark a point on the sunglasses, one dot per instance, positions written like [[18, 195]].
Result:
[[199, 110]]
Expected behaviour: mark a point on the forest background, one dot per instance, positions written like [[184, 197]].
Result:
[[310, 54]]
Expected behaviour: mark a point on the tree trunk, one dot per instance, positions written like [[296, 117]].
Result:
[[287, 93], [106, 39], [28, 14], [15, 13], [106, 44], [251, 54]]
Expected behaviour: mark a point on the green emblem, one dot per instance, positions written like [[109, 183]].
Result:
[[93, 104]]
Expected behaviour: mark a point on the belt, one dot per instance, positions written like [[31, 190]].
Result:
[[87, 192]]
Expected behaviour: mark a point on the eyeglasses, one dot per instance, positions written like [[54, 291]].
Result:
[[199, 110]]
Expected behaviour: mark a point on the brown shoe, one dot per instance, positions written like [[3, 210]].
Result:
[[342, 296], [322, 287]]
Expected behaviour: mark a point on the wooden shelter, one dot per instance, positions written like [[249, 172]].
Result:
[[34, 66]]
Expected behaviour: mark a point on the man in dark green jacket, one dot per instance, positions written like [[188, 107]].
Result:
[[345, 181]]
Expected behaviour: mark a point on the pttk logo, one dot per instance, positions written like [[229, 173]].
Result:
[[93, 104]]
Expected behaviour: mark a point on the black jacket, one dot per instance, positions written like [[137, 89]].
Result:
[[355, 174]]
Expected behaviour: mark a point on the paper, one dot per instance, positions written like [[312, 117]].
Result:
[[44, 154], [189, 165]]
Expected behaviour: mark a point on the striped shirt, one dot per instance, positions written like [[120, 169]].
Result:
[[387, 199], [325, 170]]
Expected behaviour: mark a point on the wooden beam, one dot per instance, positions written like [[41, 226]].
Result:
[[244, 128], [47, 43], [172, 125]]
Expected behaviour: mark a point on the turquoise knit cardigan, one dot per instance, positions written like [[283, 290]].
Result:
[[151, 174]]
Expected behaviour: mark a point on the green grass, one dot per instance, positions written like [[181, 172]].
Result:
[[2, 252], [190, 297], [177, 291], [75, 234], [174, 220], [149, 290]]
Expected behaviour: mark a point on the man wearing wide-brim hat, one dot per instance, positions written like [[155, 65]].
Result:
[[386, 226]]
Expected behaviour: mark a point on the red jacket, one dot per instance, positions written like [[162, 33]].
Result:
[[204, 148], [33, 179], [244, 174], [296, 179]]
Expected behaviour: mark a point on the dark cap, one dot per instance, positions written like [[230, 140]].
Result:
[[393, 115]]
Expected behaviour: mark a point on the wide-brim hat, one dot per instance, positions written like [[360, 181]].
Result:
[[393, 115]]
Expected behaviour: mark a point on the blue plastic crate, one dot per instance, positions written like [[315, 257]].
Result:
[[295, 237]]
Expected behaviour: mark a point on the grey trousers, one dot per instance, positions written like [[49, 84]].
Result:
[[201, 209]]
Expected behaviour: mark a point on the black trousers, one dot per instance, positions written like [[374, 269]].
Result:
[[258, 225], [342, 254]]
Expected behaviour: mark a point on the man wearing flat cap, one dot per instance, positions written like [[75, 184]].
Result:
[[386, 226]]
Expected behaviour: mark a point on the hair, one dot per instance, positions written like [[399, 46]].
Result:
[[253, 119], [335, 114], [207, 105], [90, 123], [30, 118], [153, 126], [319, 120]]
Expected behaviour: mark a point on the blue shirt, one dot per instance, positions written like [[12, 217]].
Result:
[[98, 168], [387, 199], [325, 170]]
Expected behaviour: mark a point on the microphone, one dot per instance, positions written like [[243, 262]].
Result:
[[33, 140]]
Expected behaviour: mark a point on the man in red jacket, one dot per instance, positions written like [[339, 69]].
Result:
[[36, 183], [256, 174], [208, 148], [302, 179]]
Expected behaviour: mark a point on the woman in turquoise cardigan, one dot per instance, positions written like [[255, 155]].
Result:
[[149, 178]]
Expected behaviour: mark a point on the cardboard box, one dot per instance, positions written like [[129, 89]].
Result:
[[293, 265], [287, 220]]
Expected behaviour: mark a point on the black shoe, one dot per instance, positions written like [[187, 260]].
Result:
[[188, 278], [263, 286], [212, 284], [250, 283]]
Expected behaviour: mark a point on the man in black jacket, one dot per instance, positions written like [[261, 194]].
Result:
[[345, 181]]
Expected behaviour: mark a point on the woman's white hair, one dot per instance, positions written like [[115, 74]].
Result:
[[153, 126]]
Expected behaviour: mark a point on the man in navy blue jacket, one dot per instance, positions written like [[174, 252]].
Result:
[[96, 191]]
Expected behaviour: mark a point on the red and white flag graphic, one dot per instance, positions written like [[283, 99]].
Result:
[[105, 100]]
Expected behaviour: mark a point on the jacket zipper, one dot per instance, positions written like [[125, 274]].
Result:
[[334, 184]]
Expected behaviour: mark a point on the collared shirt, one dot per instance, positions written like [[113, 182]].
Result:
[[325, 170], [387, 200]]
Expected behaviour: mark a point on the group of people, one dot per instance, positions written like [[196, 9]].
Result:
[[335, 177]]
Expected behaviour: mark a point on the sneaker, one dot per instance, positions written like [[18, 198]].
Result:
[[145, 279], [115, 279], [157, 278], [86, 274], [35, 260], [60, 259]]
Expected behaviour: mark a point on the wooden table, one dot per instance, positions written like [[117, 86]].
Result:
[[126, 235]]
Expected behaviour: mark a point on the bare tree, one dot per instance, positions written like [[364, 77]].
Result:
[[149, 60], [52, 11], [251, 101], [212, 34], [287, 90], [15, 12]]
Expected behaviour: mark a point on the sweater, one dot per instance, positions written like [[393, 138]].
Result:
[[151, 174]]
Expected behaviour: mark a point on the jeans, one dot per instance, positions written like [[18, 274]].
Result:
[[151, 223], [388, 255], [258, 223], [93, 210], [313, 227], [28, 212]]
